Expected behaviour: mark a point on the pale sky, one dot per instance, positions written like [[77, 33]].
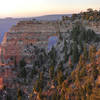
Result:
[[29, 8]]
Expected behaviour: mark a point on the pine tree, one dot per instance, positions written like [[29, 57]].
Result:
[[75, 53], [85, 53], [65, 51], [52, 54], [81, 61], [22, 63], [94, 72], [70, 63], [41, 76], [19, 94], [60, 77], [32, 73], [23, 73], [92, 54], [51, 72], [38, 85], [15, 62], [83, 72], [88, 88], [62, 96]]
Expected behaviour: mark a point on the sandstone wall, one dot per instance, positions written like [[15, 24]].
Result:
[[35, 32], [26, 33]]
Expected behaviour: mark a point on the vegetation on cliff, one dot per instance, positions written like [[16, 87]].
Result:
[[90, 15], [69, 71]]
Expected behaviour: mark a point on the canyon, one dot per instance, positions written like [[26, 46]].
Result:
[[35, 33], [26, 61], [25, 33]]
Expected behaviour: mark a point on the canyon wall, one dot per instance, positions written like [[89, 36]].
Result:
[[27, 33], [33, 32]]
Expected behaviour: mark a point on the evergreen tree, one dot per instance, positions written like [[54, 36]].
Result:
[[32, 73], [15, 62], [75, 53], [81, 61], [19, 94], [60, 36], [55, 96], [85, 53], [92, 54], [62, 96], [94, 72], [65, 51], [88, 88], [60, 66], [60, 77], [75, 32], [23, 73], [41, 76], [51, 72], [22, 63], [83, 72], [52, 54], [38, 85]]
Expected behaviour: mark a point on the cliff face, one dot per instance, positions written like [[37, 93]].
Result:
[[33, 26], [28, 33], [34, 32]]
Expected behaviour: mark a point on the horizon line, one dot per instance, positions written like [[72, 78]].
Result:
[[36, 16]]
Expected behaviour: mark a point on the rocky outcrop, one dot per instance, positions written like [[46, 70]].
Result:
[[29, 33], [34, 32]]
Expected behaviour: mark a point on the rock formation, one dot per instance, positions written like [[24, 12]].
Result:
[[28, 33]]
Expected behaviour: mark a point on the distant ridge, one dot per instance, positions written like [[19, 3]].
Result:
[[52, 17]]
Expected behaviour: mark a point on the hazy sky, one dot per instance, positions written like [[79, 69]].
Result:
[[27, 8]]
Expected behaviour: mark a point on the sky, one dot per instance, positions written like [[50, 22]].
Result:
[[30, 8]]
